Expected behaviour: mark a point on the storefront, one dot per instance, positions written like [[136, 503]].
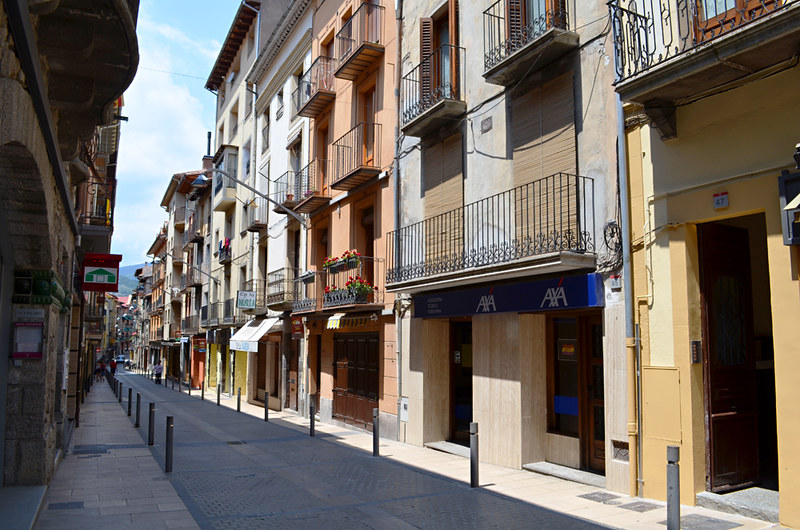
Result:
[[524, 360]]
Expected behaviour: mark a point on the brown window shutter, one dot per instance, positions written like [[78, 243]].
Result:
[[443, 198], [425, 50], [515, 17]]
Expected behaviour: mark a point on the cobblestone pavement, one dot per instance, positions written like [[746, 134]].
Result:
[[236, 471], [233, 470]]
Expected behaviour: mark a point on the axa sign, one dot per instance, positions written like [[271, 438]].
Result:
[[568, 292]]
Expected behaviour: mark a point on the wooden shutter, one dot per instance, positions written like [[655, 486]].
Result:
[[515, 17], [543, 144], [425, 50], [443, 196]]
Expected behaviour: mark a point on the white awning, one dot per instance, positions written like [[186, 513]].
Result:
[[246, 339], [335, 321], [341, 320]]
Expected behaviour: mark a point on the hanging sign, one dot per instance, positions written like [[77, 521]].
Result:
[[101, 272], [297, 327]]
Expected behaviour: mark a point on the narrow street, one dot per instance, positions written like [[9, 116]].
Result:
[[233, 470]]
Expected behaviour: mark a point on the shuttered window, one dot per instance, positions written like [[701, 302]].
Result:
[[443, 196], [425, 49], [543, 144]]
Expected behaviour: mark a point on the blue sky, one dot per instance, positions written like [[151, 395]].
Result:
[[169, 112]]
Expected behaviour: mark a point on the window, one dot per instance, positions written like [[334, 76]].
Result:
[[265, 132], [279, 99]]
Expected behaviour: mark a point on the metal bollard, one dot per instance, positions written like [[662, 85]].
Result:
[[473, 455], [218, 390], [673, 488], [203, 391], [266, 408], [119, 394], [376, 449], [190, 386], [173, 383], [138, 409], [151, 434], [311, 414], [130, 395], [239, 399], [168, 455]]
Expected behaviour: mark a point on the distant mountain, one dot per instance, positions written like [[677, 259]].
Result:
[[127, 281]]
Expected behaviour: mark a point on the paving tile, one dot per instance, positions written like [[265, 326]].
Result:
[[703, 522], [599, 496], [64, 505], [640, 506]]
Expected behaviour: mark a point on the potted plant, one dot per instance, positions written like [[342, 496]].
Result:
[[331, 296], [359, 288], [352, 258]]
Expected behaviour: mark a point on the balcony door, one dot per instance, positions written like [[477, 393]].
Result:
[[367, 133], [714, 17], [323, 150]]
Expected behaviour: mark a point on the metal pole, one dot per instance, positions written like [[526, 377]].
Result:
[[266, 407], [168, 456], [151, 434], [311, 417], [473, 455], [239, 399], [376, 450], [673, 488], [138, 408], [203, 391], [218, 388], [119, 396], [173, 383], [130, 395]]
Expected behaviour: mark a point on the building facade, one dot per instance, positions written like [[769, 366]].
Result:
[[710, 129], [506, 236]]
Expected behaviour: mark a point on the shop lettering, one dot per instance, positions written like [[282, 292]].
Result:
[[486, 305], [555, 296]]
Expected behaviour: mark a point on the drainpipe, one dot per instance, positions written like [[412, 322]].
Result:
[[396, 176], [631, 341]]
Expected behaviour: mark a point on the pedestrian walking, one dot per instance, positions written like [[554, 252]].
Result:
[[102, 370], [98, 372], [158, 370], [113, 366]]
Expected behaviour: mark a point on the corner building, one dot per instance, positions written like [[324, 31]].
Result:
[[505, 239]]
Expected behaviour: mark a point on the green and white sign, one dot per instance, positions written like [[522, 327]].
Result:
[[246, 300], [100, 275]]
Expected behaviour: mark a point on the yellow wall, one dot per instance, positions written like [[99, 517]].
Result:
[[212, 365], [736, 142], [240, 373]]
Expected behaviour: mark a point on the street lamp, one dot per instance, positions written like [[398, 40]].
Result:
[[201, 180]]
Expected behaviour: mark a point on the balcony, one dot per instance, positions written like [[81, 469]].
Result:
[[432, 93], [159, 303], [281, 289], [224, 255], [315, 88], [230, 314], [521, 37], [356, 281], [309, 288], [190, 325], [204, 316], [257, 215], [360, 42], [224, 188], [94, 330], [193, 278], [285, 191], [179, 217], [547, 224], [93, 312], [193, 233], [158, 333], [312, 186], [214, 312], [670, 52], [356, 156]]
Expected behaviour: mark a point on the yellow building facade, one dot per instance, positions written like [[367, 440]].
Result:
[[716, 293]]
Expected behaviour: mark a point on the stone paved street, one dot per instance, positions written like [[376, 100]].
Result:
[[233, 470]]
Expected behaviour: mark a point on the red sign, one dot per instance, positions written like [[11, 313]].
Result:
[[100, 272], [200, 345], [297, 327]]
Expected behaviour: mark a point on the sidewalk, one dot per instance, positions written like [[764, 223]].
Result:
[[234, 470], [109, 478]]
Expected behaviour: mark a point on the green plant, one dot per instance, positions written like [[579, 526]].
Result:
[[330, 260], [359, 286]]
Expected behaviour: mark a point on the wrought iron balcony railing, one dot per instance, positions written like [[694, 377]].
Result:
[[225, 254], [360, 41], [286, 191], [552, 214], [98, 206], [158, 333], [309, 287], [312, 185], [179, 216], [259, 286], [511, 25], [354, 281], [356, 156], [257, 214], [214, 313], [190, 325], [204, 316], [648, 33], [436, 80], [281, 287], [315, 88]]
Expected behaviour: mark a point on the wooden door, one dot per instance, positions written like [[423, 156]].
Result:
[[728, 357], [367, 133], [355, 377], [593, 438], [291, 394]]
